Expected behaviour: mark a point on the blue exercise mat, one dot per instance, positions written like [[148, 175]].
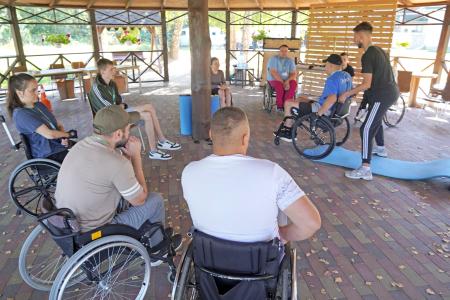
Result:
[[407, 170]]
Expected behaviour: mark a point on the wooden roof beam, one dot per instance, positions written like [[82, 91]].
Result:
[[406, 2], [259, 4], [128, 4], [227, 4], [292, 4], [53, 3]]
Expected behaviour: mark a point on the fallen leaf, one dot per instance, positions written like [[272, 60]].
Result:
[[310, 274], [396, 284], [368, 283], [322, 291], [379, 277], [401, 267], [325, 248], [430, 292], [338, 280]]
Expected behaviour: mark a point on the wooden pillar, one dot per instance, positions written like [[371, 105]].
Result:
[[17, 38], [227, 43], [442, 46], [200, 69], [94, 32], [164, 45], [294, 24]]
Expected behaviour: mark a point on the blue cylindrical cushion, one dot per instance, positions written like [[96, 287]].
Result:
[[185, 114]]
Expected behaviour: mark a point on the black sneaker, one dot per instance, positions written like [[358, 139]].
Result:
[[285, 135], [177, 242]]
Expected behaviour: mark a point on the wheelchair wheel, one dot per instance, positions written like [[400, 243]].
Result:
[[33, 181], [40, 260], [342, 132], [268, 99], [184, 286], [395, 113], [116, 266], [287, 278], [313, 137]]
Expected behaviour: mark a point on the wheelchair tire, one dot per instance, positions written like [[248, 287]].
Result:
[[267, 99], [40, 260], [185, 276], [342, 132], [313, 143], [108, 250], [32, 180], [276, 141], [395, 113], [287, 278]]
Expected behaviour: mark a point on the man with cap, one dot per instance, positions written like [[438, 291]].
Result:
[[102, 171], [337, 83]]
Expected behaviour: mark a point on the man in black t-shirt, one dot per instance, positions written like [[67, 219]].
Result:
[[346, 66], [382, 92]]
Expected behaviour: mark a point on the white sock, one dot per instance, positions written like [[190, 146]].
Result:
[[365, 167]]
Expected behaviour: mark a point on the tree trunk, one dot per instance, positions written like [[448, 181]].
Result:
[[200, 44], [175, 44]]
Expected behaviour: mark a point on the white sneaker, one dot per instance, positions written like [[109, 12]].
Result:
[[380, 151], [159, 155], [168, 145], [360, 173]]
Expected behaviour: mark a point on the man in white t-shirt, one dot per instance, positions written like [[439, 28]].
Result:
[[237, 197]]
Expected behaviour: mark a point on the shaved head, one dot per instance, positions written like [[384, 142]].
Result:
[[230, 130]]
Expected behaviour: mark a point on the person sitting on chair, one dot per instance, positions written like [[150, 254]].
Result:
[[337, 83], [104, 92], [346, 67], [261, 188], [104, 169], [282, 75], [45, 135], [218, 84]]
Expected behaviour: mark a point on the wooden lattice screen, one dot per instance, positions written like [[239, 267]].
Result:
[[330, 30]]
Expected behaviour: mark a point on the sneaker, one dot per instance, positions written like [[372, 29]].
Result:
[[159, 155], [379, 151], [285, 135], [177, 242], [360, 173], [168, 145]]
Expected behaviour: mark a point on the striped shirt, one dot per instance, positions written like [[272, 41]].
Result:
[[103, 94]]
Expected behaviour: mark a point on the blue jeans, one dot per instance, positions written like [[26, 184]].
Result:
[[152, 210]]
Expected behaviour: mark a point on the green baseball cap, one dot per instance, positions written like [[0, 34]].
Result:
[[113, 117]]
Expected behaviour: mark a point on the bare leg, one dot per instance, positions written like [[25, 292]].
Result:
[[227, 96], [222, 98], [149, 129], [157, 128]]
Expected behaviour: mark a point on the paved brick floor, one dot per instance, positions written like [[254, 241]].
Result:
[[385, 239]]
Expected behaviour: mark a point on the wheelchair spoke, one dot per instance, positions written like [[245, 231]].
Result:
[[26, 191]]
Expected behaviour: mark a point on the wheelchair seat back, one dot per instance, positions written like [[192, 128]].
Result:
[[26, 146], [233, 270]]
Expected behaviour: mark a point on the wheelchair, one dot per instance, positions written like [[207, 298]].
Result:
[[216, 269], [315, 137], [391, 118], [113, 260], [269, 97]]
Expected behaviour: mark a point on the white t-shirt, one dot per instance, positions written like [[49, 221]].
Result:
[[238, 197]]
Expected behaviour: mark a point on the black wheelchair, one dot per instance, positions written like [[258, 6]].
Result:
[[111, 261], [391, 118], [315, 137], [216, 269], [269, 97]]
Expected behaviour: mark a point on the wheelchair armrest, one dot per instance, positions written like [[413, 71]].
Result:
[[61, 219]]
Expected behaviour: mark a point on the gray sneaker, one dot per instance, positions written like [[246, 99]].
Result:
[[360, 173], [379, 151]]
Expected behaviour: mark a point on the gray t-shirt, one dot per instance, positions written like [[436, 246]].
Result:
[[92, 180], [217, 79]]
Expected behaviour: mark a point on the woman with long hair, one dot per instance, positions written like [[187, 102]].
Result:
[[218, 83], [44, 133]]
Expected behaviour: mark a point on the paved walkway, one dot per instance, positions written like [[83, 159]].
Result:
[[385, 239]]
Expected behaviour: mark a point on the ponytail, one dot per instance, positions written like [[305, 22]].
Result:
[[18, 82]]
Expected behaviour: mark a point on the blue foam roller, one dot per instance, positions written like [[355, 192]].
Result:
[[185, 114], [215, 104]]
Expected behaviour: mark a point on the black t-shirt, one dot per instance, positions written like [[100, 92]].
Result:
[[349, 69], [383, 87]]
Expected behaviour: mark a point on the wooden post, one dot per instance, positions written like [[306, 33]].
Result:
[[294, 24], [227, 43], [200, 69], [442, 46], [17, 38], [94, 32], [164, 45]]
